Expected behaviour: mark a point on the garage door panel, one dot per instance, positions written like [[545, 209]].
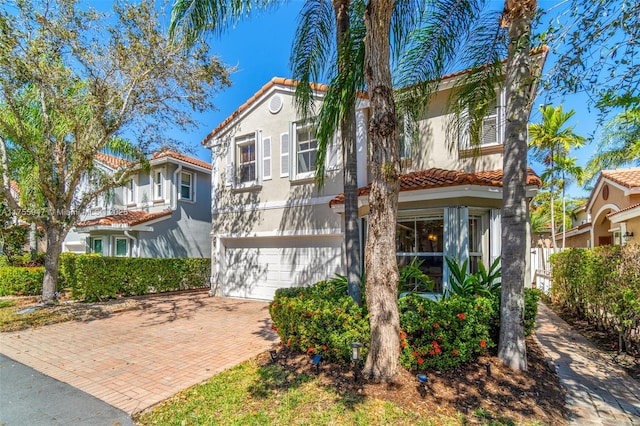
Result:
[[257, 267]]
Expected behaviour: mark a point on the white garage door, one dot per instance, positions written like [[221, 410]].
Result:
[[255, 268]]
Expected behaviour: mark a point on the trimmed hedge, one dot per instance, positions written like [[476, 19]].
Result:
[[16, 281], [321, 319], [602, 286], [92, 278]]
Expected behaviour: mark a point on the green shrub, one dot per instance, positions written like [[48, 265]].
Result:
[[100, 278], [445, 333], [602, 286], [21, 281], [67, 271], [320, 319]]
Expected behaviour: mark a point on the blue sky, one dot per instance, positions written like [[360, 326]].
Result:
[[260, 46]]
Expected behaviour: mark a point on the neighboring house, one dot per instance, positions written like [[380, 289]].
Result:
[[273, 227], [162, 213], [612, 213]]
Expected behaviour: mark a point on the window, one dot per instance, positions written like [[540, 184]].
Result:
[[246, 155], [186, 186], [131, 192], [158, 185], [242, 161], [96, 245], [475, 243], [306, 149], [491, 129], [122, 247], [422, 238]]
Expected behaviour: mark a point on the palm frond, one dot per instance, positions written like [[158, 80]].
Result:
[[312, 52], [191, 19]]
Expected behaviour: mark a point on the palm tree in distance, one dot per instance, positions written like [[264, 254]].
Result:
[[550, 142], [620, 143]]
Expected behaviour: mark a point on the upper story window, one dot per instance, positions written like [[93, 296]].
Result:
[[131, 191], [491, 132], [158, 185], [246, 155], [306, 146], [186, 186], [243, 159]]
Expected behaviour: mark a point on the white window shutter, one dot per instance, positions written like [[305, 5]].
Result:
[[464, 140], [284, 154], [258, 147], [266, 158], [333, 154], [230, 166]]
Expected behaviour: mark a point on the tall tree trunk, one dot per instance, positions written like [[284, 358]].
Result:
[[564, 212], [512, 349], [348, 133], [33, 240], [553, 205], [55, 236], [380, 260]]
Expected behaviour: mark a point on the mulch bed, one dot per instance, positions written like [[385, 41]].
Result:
[[504, 395]]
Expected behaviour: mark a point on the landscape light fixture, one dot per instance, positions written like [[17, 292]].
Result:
[[274, 355], [488, 367], [355, 358], [355, 351], [422, 383], [316, 361]]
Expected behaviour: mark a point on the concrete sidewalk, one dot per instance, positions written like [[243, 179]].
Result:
[[135, 359], [598, 391]]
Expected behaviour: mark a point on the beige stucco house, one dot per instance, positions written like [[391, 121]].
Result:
[[273, 227], [612, 213]]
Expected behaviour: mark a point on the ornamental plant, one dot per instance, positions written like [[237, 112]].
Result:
[[320, 319], [446, 333]]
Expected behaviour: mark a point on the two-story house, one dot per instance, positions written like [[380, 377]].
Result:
[[273, 227], [165, 212]]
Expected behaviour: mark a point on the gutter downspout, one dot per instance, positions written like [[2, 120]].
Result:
[[136, 253]]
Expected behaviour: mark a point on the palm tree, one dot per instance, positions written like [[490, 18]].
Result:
[[550, 142], [620, 144], [570, 172]]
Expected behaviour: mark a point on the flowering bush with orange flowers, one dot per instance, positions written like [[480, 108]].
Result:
[[320, 319], [446, 333]]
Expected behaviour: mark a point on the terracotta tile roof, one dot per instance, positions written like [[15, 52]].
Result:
[[274, 81], [631, 207], [182, 157], [127, 217], [318, 87], [629, 178], [438, 178], [111, 161]]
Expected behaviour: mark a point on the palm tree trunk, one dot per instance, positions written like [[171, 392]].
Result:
[[564, 213], [553, 208], [512, 348], [380, 260], [348, 133]]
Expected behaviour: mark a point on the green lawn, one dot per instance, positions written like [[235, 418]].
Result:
[[250, 394]]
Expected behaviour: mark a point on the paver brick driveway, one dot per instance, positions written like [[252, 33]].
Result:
[[135, 359]]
